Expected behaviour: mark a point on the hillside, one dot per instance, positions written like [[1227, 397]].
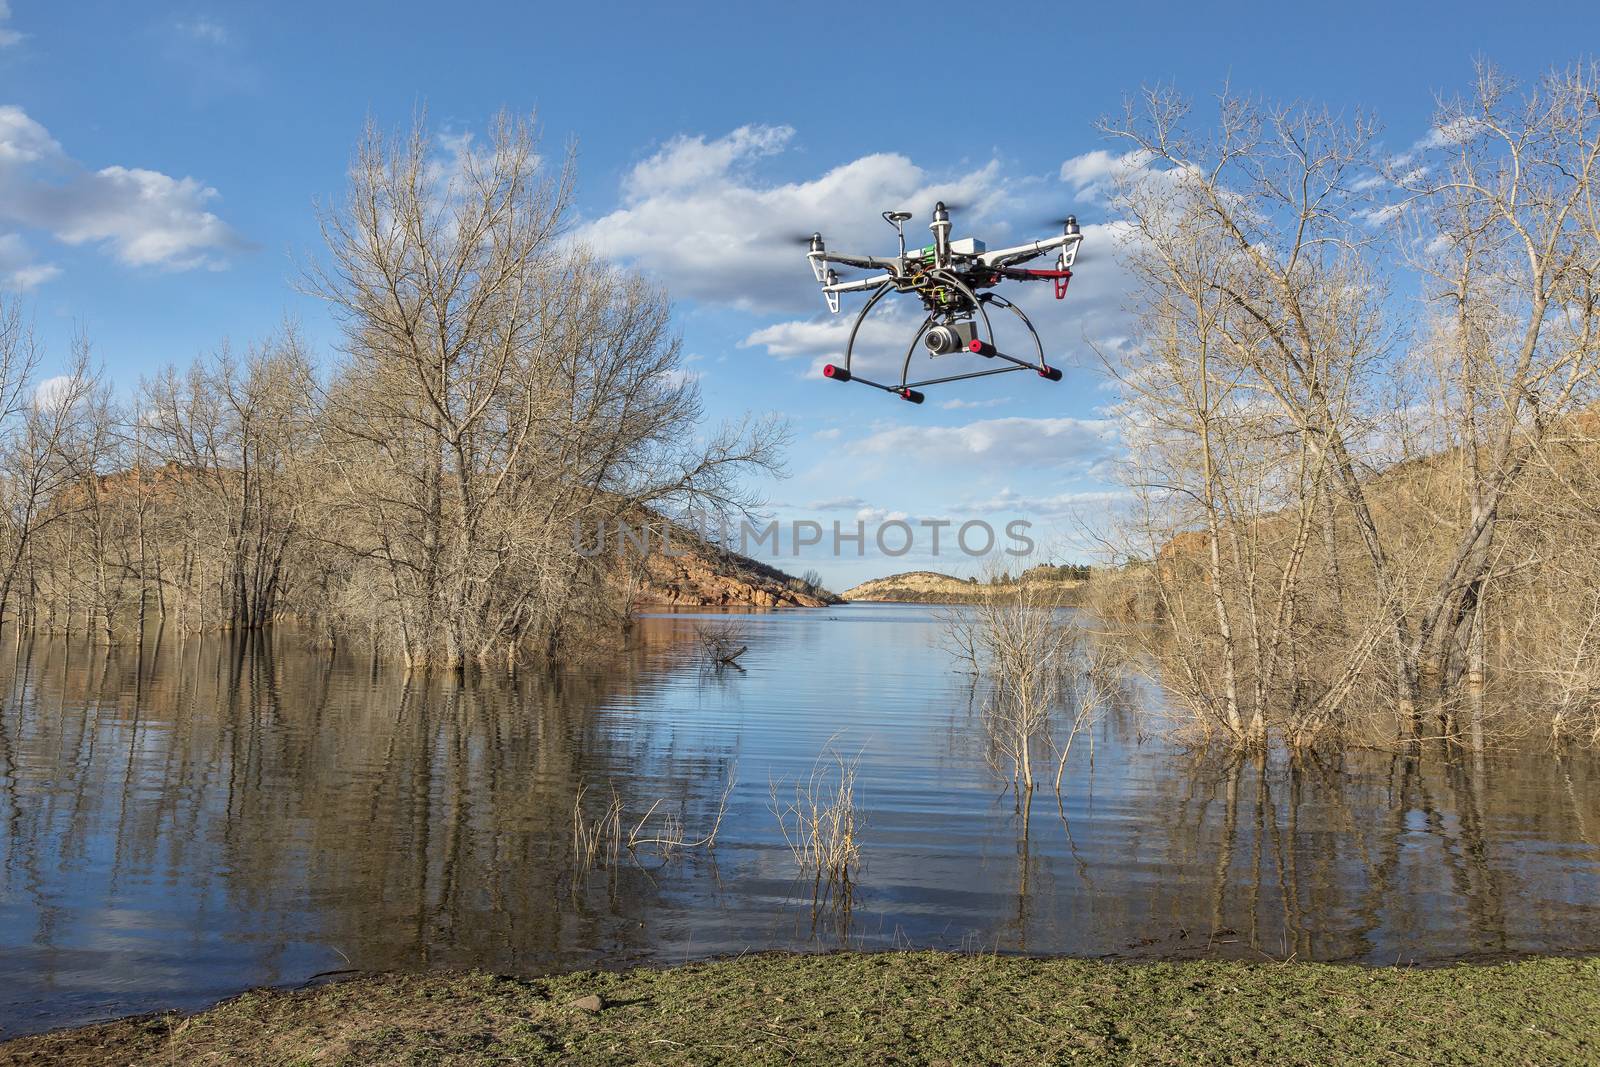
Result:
[[932, 587], [707, 576], [920, 587]]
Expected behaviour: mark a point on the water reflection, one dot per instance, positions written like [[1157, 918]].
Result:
[[193, 818]]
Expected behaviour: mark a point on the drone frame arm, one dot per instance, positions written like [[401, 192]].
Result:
[[856, 285], [1002, 257], [820, 260], [830, 293], [867, 262]]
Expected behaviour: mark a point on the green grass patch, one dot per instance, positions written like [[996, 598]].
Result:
[[887, 1008]]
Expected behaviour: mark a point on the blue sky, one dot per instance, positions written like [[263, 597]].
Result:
[[159, 165]]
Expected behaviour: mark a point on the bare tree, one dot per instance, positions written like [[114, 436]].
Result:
[[1510, 243], [502, 385], [1332, 500], [1262, 315], [232, 441], [48, 446], [1018, 642]]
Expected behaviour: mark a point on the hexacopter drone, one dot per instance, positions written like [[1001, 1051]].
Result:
[[951, 278]]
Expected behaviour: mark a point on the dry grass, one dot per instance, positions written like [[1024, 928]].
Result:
[[818, 823], [596, 843], [599, 842], [921, 1008]]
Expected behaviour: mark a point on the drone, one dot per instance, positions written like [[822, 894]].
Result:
[[953, 280]]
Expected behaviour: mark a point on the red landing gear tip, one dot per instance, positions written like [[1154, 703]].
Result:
[[911, 395], [1051, 374], [838, 374]]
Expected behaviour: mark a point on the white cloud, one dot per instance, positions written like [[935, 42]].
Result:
[[880, 344], [1380, 216], [1068, 505], [966, 405], [1006, 443], [8, 36], [685, 164], [807, 337], [24, 141], [1457, 131], [1448, 134], [843, 503], [24, 278], [458, 154], [1003, 499], [18, 271], [208, 31], [677, 377], [1089, 169], [1093, 175], [698, 214], [142, 217], [146, 217], [52, 392]]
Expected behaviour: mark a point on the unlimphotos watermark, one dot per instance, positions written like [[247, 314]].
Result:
[[891, 537]]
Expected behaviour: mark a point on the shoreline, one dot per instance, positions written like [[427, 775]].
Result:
[[870, 1007]]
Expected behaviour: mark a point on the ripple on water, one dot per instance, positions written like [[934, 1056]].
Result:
[[185, 823]]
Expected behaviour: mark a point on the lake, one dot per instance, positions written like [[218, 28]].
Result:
[[187, 821]]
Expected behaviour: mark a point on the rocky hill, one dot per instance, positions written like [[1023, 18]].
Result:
[[918, 587], [932, 587], [707, 576]]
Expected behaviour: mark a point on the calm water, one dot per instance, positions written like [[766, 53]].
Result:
[[184, 824]]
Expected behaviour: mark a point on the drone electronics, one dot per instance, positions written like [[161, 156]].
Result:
[[952, 279]]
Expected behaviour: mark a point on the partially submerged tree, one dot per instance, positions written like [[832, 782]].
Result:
[[50, 439], [502, 388], [1037, 665], [1262, 316], [1510, 243], [1325, 505]]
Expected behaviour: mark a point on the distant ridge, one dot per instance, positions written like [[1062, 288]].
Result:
[[932, 587]]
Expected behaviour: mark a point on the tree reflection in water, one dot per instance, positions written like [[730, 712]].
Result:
[[183, 822]]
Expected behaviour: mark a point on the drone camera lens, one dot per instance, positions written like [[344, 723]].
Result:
[[941, 339]]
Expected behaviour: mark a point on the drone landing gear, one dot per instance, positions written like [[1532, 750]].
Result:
[[911, 391], [904, 392], [982, 348]]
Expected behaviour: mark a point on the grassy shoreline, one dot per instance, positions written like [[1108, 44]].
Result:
[[891, 1007]]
